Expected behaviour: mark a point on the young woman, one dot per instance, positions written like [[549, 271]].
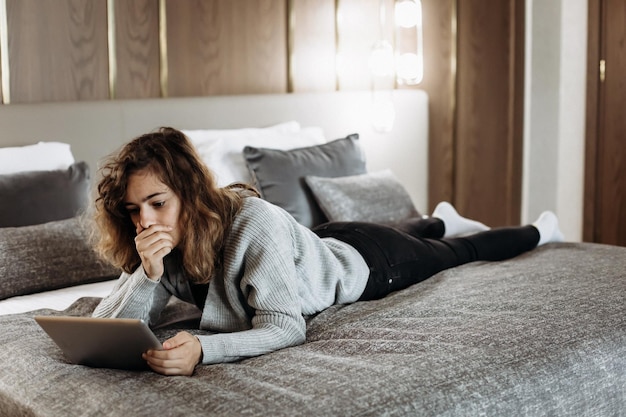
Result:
[[247, 264]]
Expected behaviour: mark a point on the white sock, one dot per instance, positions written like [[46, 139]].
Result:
[[455, 224], [548, 226]]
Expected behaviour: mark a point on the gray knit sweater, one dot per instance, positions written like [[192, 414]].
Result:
[[274, 271]]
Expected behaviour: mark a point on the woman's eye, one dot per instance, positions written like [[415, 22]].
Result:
[[159, 204]]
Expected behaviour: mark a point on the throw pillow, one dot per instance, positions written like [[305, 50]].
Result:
[[376, 197], [48, 256], [37, 197], [42, 156], [221, 149], [199, 137], [279, 174]]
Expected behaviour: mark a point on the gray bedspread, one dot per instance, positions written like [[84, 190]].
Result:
[[541, 334]]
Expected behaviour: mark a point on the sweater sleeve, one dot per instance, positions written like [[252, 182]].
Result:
[[134, 296], [265, 254]]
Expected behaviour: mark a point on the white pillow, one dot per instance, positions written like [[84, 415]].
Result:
[[207, 136], [43, 156], [224, 155]]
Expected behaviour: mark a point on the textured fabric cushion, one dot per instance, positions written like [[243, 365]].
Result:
[[37, 197], [48, 256], [279, 175], [42, 156], [376, 197]]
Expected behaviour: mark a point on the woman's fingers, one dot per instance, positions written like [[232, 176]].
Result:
[[152, 231], [153, 241], [153, 244], [179, 356]]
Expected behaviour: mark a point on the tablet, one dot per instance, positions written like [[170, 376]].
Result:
[[101, 342]]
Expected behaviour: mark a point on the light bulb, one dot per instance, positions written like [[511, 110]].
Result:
[[409, 68], [408, 14]]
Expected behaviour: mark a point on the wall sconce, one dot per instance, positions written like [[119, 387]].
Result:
[[409, 50], [399, 64], [383, 82]]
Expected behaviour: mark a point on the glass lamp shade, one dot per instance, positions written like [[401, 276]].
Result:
[[409, 55], [408, 13]]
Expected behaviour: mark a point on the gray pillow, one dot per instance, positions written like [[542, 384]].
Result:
[[279, 175], [376, 197], [48, 256], [36, 197]]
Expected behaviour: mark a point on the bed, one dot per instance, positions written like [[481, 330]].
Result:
[[541, 334]]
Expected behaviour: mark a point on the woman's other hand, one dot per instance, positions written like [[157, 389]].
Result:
[[179, 356]]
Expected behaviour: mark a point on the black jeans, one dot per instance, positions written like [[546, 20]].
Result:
[[413, 251]]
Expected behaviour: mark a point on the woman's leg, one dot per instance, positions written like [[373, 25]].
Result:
[[424, 227], [444, 222], [455, 224], [398, 260]]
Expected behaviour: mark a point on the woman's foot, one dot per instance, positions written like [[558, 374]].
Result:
[[455, 224], [548, 226]]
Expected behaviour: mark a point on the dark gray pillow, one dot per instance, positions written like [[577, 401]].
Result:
[[48, 256], [36, 197], [376, 197], [279, 175]]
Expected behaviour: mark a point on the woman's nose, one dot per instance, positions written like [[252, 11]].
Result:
[[146, 219]]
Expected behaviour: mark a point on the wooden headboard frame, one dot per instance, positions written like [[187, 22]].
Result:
[[95, 129]]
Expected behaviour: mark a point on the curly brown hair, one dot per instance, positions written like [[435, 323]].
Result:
[[207, 211]]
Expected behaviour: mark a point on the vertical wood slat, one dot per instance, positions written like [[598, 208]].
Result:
[[440, 84], [226, 47], [479, 163], [515, 138], [488, 145], [111, 46], [313, 45], [137, 49], [4, 56], [611, 152], [57, 50], [591, 122]]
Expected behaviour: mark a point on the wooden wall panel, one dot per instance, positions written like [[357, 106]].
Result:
[[57, 50], [515, 143], [137, 49], [226, 47], [313, 45], [488, 152], [591, 120], [611, 152], [439, 83]]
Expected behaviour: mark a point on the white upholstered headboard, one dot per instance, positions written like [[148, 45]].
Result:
[[95, 129]]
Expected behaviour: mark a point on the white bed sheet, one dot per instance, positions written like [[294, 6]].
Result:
[[57, 299]]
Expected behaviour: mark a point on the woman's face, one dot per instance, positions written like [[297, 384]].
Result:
[[150, 202]]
